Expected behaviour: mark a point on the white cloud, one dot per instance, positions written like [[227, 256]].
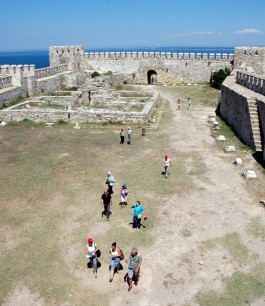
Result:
[[191, 34], [248, 31]]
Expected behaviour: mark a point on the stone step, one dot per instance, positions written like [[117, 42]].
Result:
[[258, 148]]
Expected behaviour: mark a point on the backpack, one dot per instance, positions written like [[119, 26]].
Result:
[[122, 255]]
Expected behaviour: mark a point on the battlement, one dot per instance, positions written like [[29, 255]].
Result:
[[49, 71], [25, 70], [159, 55], [251, 81]]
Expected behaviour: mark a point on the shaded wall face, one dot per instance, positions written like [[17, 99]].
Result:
[[234, 110], [168, 71], [250, 57]]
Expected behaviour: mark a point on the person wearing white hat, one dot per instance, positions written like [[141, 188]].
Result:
[[110, 182], [129, 136]]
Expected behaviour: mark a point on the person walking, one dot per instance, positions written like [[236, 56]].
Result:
[[115, 254], [124, 195], [106, 202], [134, 261], [110, 182], [167, 164], [189, 103], [129, 136], [178, 104], [122, 136], [91, 250], [138, 211]]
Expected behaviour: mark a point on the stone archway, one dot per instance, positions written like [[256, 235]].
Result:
[[151, 77]]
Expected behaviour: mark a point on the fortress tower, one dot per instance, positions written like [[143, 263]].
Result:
[[251, 59], [71, 55]]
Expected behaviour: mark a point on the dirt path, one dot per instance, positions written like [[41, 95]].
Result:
[[178, 266]]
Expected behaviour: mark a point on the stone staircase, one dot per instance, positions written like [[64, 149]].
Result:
[[254, 119]]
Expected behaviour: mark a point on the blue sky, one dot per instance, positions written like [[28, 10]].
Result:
[[38, 24]]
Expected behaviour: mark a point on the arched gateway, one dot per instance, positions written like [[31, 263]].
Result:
[[151, 77]]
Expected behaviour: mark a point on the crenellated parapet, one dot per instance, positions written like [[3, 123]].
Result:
[[49, 71], [159, 55], [17, 72], [251, 81]]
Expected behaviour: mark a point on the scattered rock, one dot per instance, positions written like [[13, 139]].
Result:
[[230, 149], [250, 174], [238, 161], [221, 138]]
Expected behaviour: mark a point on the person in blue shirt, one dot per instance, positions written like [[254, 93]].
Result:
[[138, 211]]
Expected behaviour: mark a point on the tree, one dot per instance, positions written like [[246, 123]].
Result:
[[218, 77]]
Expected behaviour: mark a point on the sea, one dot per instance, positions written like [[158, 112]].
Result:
[[40, 58]]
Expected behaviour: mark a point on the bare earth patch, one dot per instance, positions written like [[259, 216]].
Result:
[[204, 239]]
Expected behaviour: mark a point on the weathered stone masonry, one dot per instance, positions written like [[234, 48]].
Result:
[[243, 97]]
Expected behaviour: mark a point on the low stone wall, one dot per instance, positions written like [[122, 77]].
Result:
[[261, 108], [59, 100], [92, 115], [10, 94], [234, 110]]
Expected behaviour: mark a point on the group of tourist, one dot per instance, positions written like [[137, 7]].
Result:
[[179, 104], [133, 259], [106, 199]]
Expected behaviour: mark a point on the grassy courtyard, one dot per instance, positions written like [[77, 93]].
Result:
[[51, 185]]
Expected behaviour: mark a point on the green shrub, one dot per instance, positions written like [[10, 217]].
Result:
[[25, 122], [95, 74], [61, 121], [108, 73], [218, 77]]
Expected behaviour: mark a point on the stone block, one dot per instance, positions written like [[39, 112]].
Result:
[[250, 174], [221, 138], [230, 149]]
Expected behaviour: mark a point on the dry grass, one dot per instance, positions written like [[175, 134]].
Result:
[[51, 183]]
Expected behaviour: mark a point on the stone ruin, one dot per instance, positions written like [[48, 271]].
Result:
[[95, 101]]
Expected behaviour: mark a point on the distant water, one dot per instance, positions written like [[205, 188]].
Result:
[[41, 58]]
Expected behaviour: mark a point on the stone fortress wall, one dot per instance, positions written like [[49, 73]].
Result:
[[242, 103], [68, 66], [242, 96]]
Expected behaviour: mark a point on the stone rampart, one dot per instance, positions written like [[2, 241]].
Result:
[[49, 71], [234, 110], [166, 71], [158, 55], [251, 81]]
